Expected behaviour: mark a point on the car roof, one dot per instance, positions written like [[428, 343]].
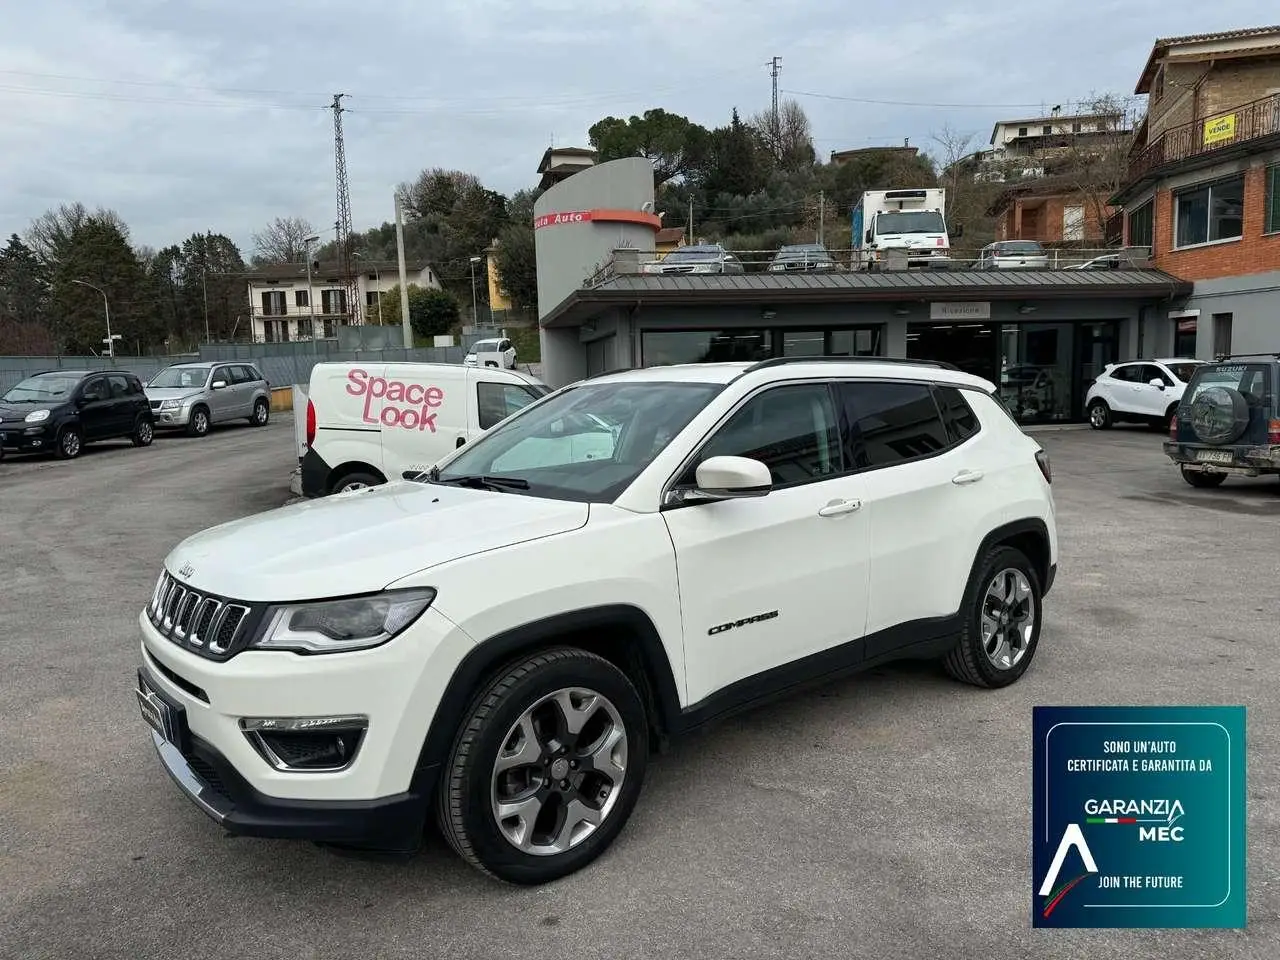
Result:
[[796, 369]]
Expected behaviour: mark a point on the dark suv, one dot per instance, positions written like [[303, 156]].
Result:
[[1228, 421], [62, 410]]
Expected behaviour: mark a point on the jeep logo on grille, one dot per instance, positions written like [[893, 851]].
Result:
[[186, 571]]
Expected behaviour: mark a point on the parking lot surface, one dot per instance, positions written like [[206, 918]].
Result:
[[885, 816]]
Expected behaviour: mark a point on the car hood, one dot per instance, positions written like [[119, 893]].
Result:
[[12, 412], [362, 541], [171, 393]]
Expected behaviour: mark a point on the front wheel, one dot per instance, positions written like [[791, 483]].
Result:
[[1099, 415], [1201, 480], [1002, 619], [198, 425], [356, 481], [261, 413], [546, 768], [70, 443]]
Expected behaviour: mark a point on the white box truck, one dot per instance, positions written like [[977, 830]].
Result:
[[910, 220]]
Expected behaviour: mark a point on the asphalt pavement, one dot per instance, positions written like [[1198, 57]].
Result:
[[885, 816]]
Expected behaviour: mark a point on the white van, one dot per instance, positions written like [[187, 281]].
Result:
[[367, 423]]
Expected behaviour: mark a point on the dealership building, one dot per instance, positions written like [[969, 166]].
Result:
[[1042, 335]]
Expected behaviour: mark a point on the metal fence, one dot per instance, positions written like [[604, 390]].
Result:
[[283, 364]]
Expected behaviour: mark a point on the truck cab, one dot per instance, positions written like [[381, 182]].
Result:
[[911, 221]]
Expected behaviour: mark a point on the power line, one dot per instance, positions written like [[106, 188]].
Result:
[[920, 103]]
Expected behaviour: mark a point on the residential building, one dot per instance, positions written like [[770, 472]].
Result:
[[1056, 211], [1203, 188], [283, 306], [559, 163], [668, 239], [1043, 146], [499, 300]]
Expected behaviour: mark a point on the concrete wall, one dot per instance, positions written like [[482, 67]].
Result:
[[1250, 300]]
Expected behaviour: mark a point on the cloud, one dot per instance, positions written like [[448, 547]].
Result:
[[212, 116]]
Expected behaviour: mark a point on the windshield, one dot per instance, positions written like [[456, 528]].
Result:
[[803, 253], [1183, 371], [920, 221], [1251, 379], [587, 443], [1019, 246], [180, 377], [693, 255], [42, 388]]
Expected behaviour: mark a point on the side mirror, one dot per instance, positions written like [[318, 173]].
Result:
[[218, 384], [868, 237], [728, 478], [1157, 383]]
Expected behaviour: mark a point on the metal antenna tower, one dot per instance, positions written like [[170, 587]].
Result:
[[343, 224], [775, 68]]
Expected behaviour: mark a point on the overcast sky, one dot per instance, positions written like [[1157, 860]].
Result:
[[193, 115]]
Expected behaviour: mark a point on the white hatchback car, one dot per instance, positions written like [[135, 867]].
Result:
[[1140, 391], [499, 352], [497, 645]]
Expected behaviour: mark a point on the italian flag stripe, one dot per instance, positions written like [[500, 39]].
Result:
[[1111, 820]]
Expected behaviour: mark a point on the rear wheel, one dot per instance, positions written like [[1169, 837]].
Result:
[[546, 767], [143, 433], [1099, 415], [1202, 480], [261, 413], [1002, 621]]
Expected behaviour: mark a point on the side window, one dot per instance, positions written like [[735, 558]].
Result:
[[223, 374], [1151, 372], [956, 414], [497, 401], [96, 389], [118, 385], [793, 430], [254, 374], [135, 385], [890, 423], [1125, 374]]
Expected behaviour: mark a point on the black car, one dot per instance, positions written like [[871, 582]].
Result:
[[59, 411], [1228, 421]]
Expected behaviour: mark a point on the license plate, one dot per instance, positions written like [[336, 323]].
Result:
[[159, 714], [1214, 456]]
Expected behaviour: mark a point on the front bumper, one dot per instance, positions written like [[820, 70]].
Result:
[[28, 438], [172, 418], [377, 799], [1249, 461]]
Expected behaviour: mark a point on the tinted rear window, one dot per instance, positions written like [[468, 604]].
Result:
[[1020, 246], [1251, 379]]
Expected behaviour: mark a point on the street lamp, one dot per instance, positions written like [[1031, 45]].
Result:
[[106, 307], [311, 294], [475, 317]]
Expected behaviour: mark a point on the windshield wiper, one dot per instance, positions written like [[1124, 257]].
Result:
[[481, 482]]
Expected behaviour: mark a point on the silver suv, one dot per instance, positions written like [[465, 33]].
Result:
[[194, 396]]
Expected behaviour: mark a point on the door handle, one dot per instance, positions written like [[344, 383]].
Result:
[[838, 508], [967, 476]]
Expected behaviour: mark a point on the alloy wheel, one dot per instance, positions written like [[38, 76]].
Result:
[[1008, 618], [559, 771], [260, 413], [201, 422], [71, 443], [145, 433], [1097, 415]]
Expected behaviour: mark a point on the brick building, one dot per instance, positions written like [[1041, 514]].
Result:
[[1203, 189], [1055, 211]]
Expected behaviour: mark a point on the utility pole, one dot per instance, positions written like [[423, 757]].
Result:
[[690, 220], [404, 278], [775, 68], [475, 317], [822, 202], [343, 224], [204, 292], [311, 294]]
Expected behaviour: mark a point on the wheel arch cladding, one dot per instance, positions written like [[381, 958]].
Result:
[[1030, 536], [622, 634], [338, 474]]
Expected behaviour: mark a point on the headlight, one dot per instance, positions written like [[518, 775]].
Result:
[[37, 416], [170, 404], [333, 626]]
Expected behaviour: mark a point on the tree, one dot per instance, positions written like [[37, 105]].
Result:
[[281, 241], [674, 143], [1096, 164], [737, 164], [97, 252], [791, 143], [210, 285], [517, 259], [51, 232], [432, 312], [24, 300]]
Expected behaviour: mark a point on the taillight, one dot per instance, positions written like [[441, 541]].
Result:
[[1273, 433], [1173, 427], [1042, 461], [311, 423]]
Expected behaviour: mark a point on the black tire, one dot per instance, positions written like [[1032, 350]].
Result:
[[261, 413], [1201, 480], [144, 432], [198, 424], [468, 787], [355, 481], [1100, 415], [70, 443], [969, 660], [1219, 415]]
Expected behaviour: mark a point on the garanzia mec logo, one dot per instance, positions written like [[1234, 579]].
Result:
[[409, 406]]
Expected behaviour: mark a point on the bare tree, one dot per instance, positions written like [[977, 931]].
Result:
[[1095, 163], [791, 141], [281, 241], [954, 148], [50, 232]]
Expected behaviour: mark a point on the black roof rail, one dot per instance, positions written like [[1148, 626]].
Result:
[[1240, 356], [781, 361]]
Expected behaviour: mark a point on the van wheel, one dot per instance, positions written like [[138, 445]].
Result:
[[546, 767], [356, 481]]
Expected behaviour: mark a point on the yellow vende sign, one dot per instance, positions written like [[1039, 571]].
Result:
[[1220, 128]]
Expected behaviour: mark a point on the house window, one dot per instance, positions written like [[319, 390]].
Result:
[[273, 303], [1271, 223], [1046, 129], [1141, 225], [1075, 128], [371, 298], [1102, 126], [333, 301], [302, 298], [1222, 334], [1022, 131], [1211, 212]]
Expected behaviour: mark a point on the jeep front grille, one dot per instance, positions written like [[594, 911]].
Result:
[[203, 623]]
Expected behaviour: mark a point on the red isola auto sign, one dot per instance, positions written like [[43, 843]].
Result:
[[406, 405]]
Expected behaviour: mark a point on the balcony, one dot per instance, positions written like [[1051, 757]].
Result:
[[1251, 121]]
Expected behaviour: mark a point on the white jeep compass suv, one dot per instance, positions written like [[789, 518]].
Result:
[[498, 644]]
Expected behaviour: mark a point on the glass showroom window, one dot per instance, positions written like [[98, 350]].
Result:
[[1213, 211]]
